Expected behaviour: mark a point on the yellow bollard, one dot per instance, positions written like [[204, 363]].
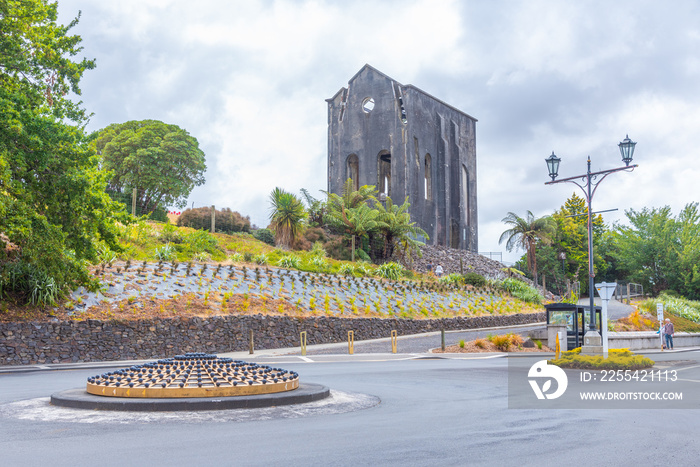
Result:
[[351, 342], [394, 344], [302, 337], [557, 348]]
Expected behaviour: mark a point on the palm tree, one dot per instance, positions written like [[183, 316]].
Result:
[[360, 221], [350, 198], [399, 230], [315, 207], [287, 215], [525, 233], [350, 213]]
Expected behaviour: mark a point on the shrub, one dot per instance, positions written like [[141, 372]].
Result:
[[362, 255], [226, 221], [170, 234], [346, 269], [455, 279], [481, 343], [391, 271], [200, 241], [265, 236], [337, 249], [164, 253], [472, 278], [248, 257], [315, 234], [504, 342], [260, 259], [236, 257], [43, 289], [618, 359], [521, 290], [318, 250], [201, 256], [319, 262], [289, 261], [363, 269], [105, 255], [26, 279], [461, 344], [678, 306]]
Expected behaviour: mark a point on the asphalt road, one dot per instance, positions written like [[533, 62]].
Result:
[[616, 310], [427, 411]]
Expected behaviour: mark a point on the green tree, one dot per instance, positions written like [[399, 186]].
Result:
[[525, 233], [53, 211], [688, 248], [571, 238], [345, 212], [162, 161], [287, 215], [315, 207], [399, 231], [660, 251]]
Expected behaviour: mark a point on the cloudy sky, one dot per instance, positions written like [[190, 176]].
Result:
[[249, 80]]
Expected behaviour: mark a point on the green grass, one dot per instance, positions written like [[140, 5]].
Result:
[[679, 306], [144, 240]]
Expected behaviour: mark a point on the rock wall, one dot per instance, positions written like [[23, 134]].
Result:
[[93, 340], [449, 258]]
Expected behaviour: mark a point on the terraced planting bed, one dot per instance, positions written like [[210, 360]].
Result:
[[134, 291]]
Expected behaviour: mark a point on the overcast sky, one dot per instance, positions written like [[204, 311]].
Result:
[[249, 80]]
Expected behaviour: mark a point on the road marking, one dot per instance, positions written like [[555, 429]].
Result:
[[686, 368]]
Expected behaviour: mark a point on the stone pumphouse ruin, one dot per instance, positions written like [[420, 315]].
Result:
[[407, 143]]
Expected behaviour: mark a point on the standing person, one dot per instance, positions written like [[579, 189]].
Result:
[[430, 266], [668, 334], [438, 270]]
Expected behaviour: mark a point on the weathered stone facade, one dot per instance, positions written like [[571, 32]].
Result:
[[407, 143], [93, 340]]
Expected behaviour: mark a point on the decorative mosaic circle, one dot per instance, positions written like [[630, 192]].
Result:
[[193, 375]]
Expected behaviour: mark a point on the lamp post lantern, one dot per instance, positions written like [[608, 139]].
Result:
[[589, 184]]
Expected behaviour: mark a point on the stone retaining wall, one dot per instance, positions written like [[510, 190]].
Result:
[[93, 340]]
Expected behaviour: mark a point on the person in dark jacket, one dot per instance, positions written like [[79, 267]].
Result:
[[668, 333]]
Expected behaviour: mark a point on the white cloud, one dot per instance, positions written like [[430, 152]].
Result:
[[249, 79]]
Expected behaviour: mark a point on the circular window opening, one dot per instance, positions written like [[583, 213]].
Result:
[[368, 105]]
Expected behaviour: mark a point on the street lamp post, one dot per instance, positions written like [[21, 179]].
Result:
[[589, 184]]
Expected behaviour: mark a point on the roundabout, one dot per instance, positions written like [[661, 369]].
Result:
[[191, 382]]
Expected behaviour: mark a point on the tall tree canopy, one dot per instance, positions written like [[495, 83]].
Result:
[[163, 162], [660, 251], [53, 208], [526, 232]]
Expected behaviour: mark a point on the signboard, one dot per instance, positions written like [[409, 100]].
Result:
[[660, 312], [606, 289]]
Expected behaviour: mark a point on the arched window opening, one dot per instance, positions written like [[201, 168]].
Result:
[[465, 194], [384, 173], [428, 178], [352, 171]]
